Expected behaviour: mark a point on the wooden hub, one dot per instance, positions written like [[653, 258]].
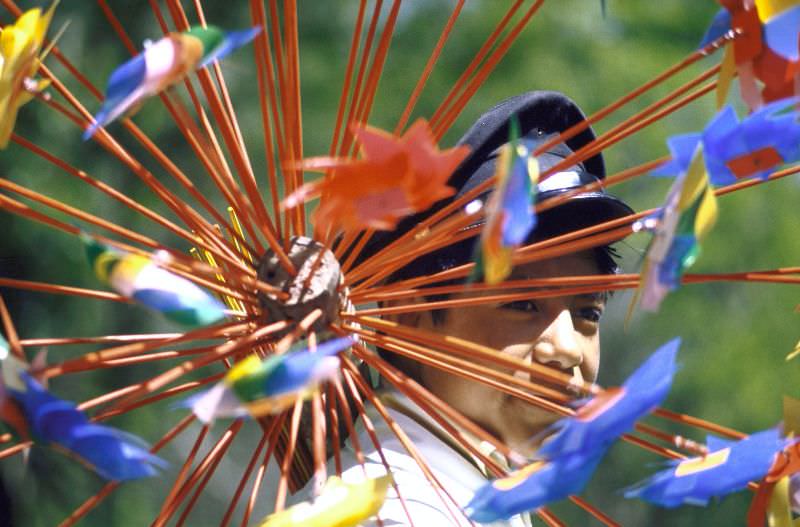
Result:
[[316, 285]]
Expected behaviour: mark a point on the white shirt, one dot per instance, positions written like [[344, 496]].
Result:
[[455, 470]]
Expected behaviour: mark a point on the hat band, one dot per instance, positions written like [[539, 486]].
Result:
[[565, 180]]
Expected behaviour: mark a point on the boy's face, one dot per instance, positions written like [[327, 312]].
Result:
[[562, 333]]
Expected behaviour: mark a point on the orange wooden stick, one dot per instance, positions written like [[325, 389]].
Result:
[[274, 430], [11, 333]]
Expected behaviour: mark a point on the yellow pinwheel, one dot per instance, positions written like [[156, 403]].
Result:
[[20, 46], [339, 504]]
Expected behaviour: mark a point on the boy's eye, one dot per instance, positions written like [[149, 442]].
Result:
[[592, 314], [524, 306]]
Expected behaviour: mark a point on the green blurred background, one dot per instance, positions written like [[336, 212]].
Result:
[[736, 335]]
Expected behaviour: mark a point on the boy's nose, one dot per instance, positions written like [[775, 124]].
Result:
[[558, 343]]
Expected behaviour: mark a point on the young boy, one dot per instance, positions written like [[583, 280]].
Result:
[[562, 332]]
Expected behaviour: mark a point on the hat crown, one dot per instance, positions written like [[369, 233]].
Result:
[[539, 113]]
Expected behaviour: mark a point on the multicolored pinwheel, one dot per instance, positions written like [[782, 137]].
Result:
[[162, 64], [141, 279], [765, 48], [726, 151], [509, 212], [678, 226], [259, 387]]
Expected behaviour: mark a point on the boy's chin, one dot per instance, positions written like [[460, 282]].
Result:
[[534, 416], [532, 423]]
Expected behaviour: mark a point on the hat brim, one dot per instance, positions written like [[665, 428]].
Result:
[[578, 212]]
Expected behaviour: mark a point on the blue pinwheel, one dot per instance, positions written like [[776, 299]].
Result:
[[728, 467], [604, 418], [733, 149], [570, 458], [533, 486], [753, 147], [113, 454]]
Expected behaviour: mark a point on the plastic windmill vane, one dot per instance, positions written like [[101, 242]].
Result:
[[510, 216], [727, 467], [272, 329], [570, 457], [679, 226], [394, 178], [262, 387], [725, 152], [767, 53], [35, 414], [141, 279], [20, 50], [339, 504], [162, 64], [602, 419], [733, 150]]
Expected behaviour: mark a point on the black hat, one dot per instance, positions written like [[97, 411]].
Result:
[[540, 115]]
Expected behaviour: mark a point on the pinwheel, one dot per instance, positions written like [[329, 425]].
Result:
[[753, 147], [679, 226], [779, 493], [509, 217], [533, 486], [728, 467], [340, 504], [766, 48], [260, 387], [33, 412], [162, 64], [571, 456], [20, 47], [141, 279], [734, 150], [600, 421], [393, 178], [726, 151]]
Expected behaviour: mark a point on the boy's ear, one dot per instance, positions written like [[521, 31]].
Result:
[[413, 318]]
